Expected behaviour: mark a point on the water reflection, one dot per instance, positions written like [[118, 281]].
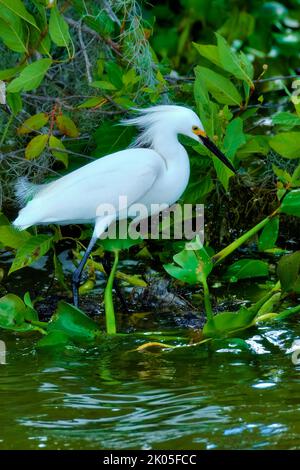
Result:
[[109, 397]]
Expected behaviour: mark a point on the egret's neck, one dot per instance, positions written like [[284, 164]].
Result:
[[168, 146]]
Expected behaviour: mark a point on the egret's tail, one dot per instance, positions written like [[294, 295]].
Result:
[[25, 192]]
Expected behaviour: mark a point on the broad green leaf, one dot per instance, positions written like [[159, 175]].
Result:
[[246, 268], [58, 28], [282, 175], [30, 77], [17, 7], [62, 156], [287, 120], [31, 251], [192, 266], [233, 63], [15, 315], [95, 101], [291, 203], [7, 74], [73, 323], [269, 235], [296, 177], [36, 146], [288, 270], [119, 244], [209, 52], [103, 85], [254, 144], [234, 137], [111, 138], [11, 31], [287, 144], [227, 323], [207, 110], [15, 103], [220, 87], [54, 339], [33, 123], [10, 236], [66, 125]]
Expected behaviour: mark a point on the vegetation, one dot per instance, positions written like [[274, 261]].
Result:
[[71, 69]]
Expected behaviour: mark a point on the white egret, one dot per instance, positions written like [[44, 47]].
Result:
[[155, 170]]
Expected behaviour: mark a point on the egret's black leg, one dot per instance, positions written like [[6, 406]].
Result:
[[78, 271], [106, 262]]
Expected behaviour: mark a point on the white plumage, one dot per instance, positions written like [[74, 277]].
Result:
[[157, 174]]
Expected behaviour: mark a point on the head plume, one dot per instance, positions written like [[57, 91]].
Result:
[[150, 121]]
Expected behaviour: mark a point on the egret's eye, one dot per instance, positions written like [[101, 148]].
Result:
[[195, 128]]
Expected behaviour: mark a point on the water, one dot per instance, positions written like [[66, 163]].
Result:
[[109, 397]]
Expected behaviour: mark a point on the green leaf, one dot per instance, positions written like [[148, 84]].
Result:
[[36, 146], [31, 251], [227, 323], [15, 315], [192, 266], [103, 85], [220, 87], [282, 175], [234, 137], [246, 268], [269, 235], [291, 203], [66, 125], [12, 237], [207, 110], [14, 101], [238, 66], [54, 339], [60, 156], [210, 53], [33, 123], [7, 74], [119, 244], [73, 323], [11, 31], [287, 120], [17, 7], [287, 144], [59, 29], [30, 77], [254, 144], [92, 102], [288, 270]]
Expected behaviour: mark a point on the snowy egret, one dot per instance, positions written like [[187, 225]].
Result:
[[155, 170]]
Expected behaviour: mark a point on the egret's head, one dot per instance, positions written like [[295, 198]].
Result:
[[162, 122]]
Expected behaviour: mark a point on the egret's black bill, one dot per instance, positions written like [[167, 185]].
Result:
[[214, 149]]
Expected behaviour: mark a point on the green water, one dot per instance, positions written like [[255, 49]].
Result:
[[108, 397]]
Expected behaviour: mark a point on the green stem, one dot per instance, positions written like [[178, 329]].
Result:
[[207, 304], [108, 299], [217, 258]]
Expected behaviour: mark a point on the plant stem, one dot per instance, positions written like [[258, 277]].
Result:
[[217, 258], [108, 299], [207, 304]]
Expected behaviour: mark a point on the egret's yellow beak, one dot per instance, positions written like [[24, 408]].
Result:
[[213, 148]]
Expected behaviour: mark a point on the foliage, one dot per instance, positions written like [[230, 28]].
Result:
[[70, 70]]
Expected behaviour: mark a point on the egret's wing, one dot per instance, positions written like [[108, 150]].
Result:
[[78, 195]]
